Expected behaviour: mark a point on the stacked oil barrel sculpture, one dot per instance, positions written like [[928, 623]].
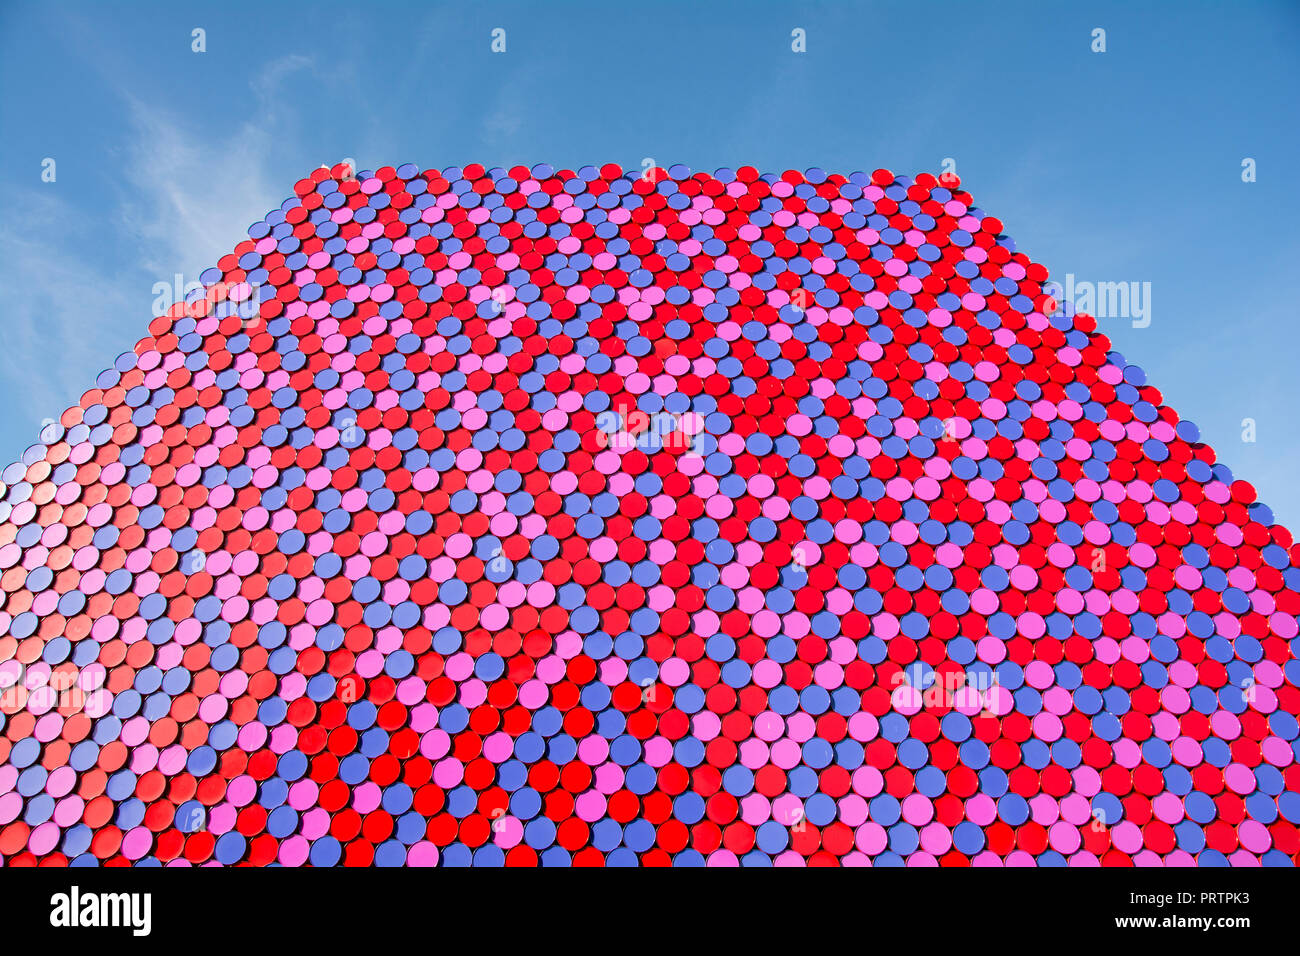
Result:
[[550, 517]]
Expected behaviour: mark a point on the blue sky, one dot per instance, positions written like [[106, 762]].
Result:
[[1122, 166]]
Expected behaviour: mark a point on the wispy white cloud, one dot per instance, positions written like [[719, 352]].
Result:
[[191, 192], [266, 83], [55, 308], [69, 302]]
